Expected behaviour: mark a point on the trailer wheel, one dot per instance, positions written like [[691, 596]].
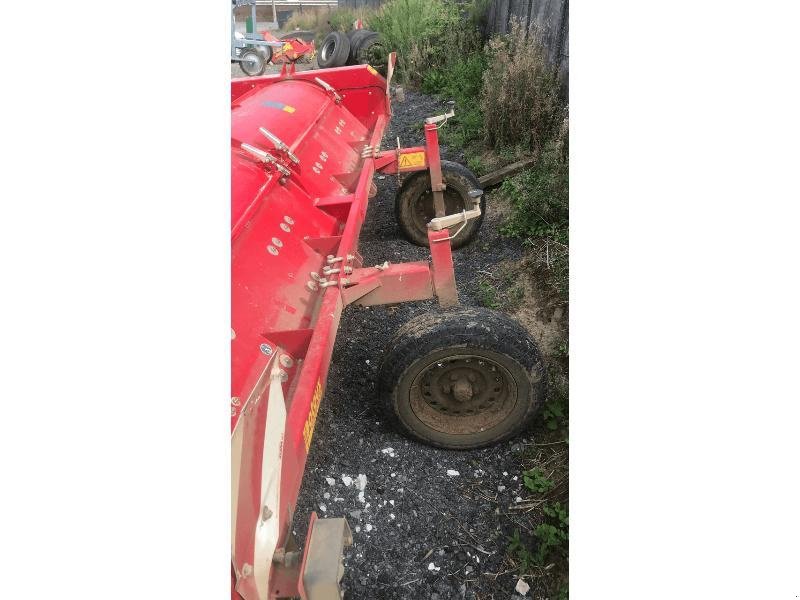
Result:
[[254, 62], [413, 206], [334, 51], [463, 378]]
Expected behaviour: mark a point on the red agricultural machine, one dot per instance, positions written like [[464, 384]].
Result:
[[304, 150]]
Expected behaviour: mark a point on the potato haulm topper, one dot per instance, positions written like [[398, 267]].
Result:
[[304, 150]]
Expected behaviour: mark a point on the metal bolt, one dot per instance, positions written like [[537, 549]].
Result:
[[277, 242], [272, 250], [266, 349], [266, 513], [285, 227], [286, 361], [247, 570], [312, 285], [235, 401], [327, 283], [289, 220], [334, 259]]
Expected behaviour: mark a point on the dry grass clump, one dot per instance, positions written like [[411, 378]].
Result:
[[520, 102]]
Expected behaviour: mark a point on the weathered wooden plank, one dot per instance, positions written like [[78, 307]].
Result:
[[492, 179]]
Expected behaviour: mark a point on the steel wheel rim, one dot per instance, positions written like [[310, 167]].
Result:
[[326, 49], [463, 394], [253, 59]]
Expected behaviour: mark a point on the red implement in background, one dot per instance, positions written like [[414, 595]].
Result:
[[293, 49], [304, 149]]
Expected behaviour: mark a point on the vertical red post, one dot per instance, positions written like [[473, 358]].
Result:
[[444, 276], [435, 168]]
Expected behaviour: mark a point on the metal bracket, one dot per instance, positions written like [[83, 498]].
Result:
[[439, 223], [266, 157], [441, 118]]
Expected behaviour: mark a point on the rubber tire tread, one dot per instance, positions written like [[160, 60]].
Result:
[[341, 50], [364, 43], [461, 328], [356, 37], [455, 176]]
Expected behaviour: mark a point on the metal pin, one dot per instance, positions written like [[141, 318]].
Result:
[[279, 144], [329, 88]]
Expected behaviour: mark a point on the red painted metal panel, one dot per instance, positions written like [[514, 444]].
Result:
[[283, 228], [289, 219]]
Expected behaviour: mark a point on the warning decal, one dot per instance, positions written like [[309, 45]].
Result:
[[412, 159]]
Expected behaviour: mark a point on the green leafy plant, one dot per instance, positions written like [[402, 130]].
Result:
[[476, 165], [487, 294], [519, 551], [552, 535], [554, 413], [536, 481]]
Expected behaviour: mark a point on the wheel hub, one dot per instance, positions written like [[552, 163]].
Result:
[[463, 388]]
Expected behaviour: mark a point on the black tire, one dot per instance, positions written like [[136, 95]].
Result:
[[372, 51], [334, 50], [413, 206], [254, 62], [435, 349], [356, 37]]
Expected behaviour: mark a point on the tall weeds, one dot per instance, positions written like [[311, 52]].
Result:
[[427, 35], [520, 102]]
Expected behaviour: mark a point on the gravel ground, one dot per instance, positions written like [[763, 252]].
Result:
[[418, 533]]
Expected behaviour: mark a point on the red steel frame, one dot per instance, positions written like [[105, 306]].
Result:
[[279, 373]]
